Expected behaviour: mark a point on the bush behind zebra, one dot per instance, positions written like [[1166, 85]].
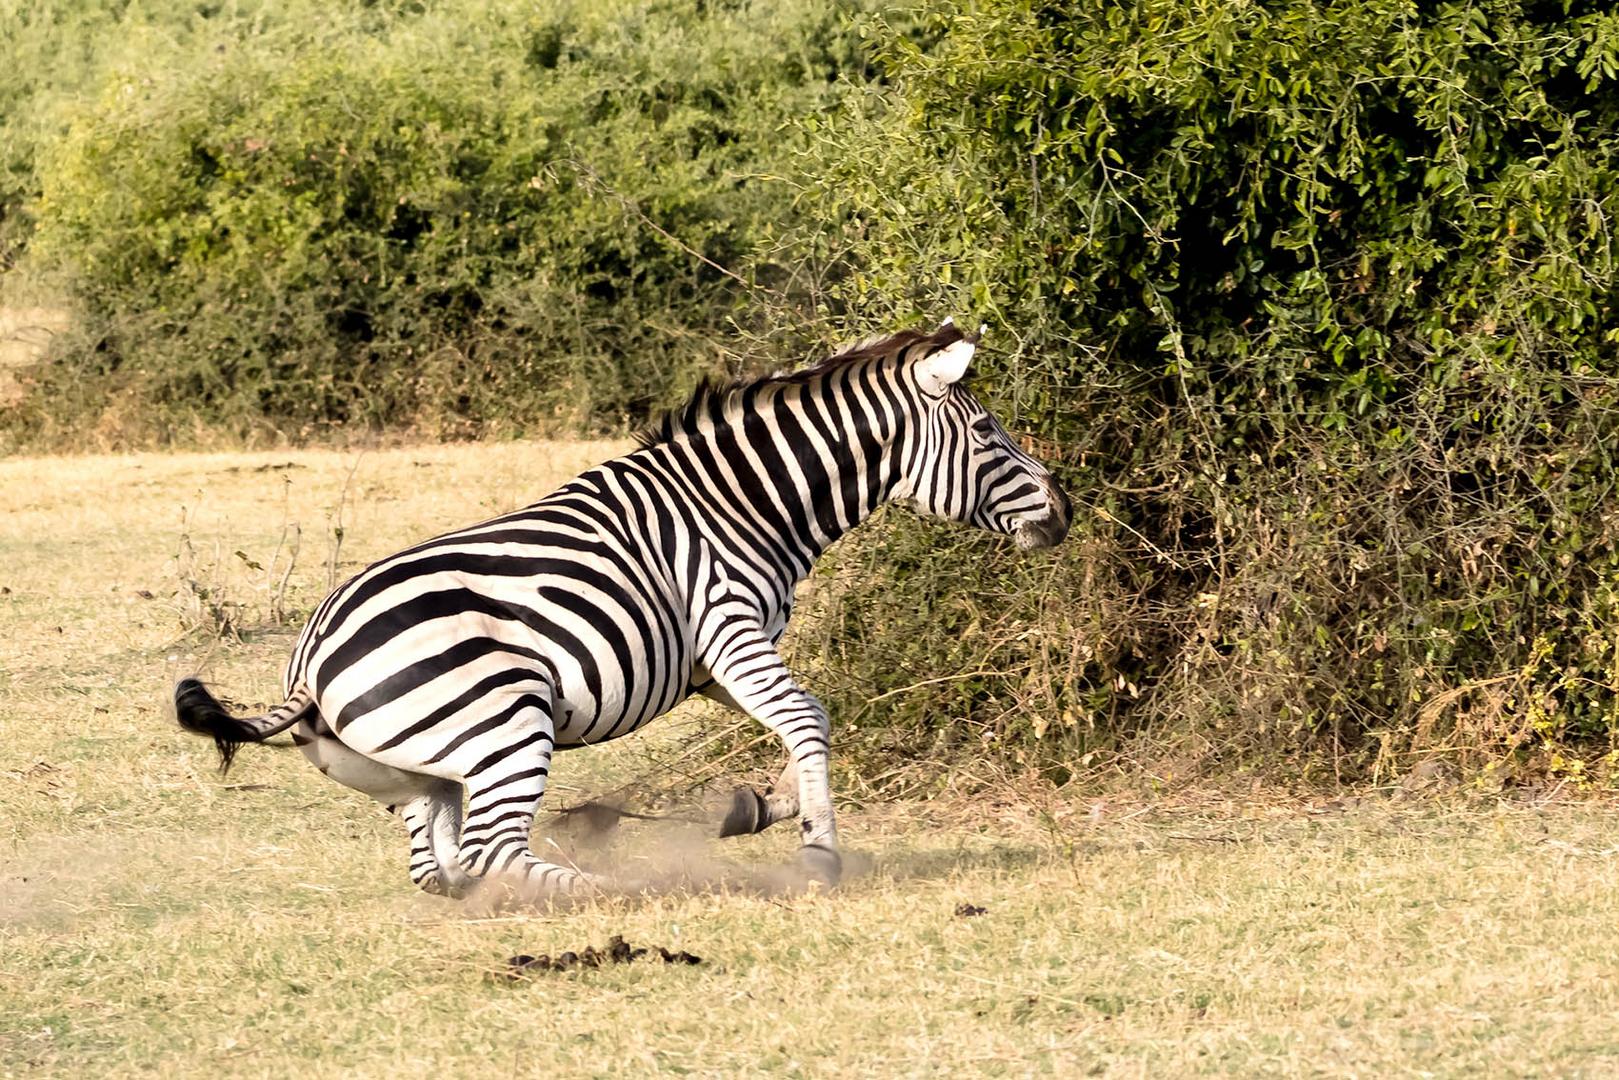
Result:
[[1326, 348], [1318, 313]]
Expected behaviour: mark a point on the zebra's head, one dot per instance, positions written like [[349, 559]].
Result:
[[967, 467]]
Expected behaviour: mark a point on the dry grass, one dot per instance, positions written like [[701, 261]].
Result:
[[24, 334], [156, 918]]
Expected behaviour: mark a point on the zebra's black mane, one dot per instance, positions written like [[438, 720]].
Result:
[[711, 395]]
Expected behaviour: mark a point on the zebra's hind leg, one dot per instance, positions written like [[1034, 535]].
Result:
[[504, 788], [434, 821], [751, 812], [430, 807]]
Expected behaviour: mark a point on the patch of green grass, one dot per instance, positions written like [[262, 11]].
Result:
[[156, 917]]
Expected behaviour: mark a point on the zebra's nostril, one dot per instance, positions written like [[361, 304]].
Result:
[[1053, 528]]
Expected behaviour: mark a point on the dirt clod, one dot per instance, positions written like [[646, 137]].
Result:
[[265, 468], [967, 911], [617, 951]]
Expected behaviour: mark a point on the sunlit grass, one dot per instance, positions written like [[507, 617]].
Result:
[[156, 917]]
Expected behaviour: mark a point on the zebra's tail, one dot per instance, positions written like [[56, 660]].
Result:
[[199, 711]]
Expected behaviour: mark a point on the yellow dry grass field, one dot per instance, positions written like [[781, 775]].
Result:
[[157, 918]]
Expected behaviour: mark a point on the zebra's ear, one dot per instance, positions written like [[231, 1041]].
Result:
[[937, 371]]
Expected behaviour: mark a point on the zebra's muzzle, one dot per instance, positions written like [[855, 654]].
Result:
[[1047, 531]]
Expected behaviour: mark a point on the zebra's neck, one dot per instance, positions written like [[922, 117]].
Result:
[[808, 461]]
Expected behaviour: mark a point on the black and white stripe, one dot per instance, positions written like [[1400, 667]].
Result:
[[457, 667]]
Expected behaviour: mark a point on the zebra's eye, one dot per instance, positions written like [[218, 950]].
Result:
[[984, 428]]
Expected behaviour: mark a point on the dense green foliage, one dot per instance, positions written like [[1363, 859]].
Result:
[[1316, 302], [457, 218], [1313, 301]]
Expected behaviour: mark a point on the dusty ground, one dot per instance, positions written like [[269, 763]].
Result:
[[157, 918]]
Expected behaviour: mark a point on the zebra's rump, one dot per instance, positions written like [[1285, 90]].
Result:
[[429, 651]]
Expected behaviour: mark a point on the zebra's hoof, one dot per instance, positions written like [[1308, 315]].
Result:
[[451, 887], [820, 864], [457, 884], [746, 815]]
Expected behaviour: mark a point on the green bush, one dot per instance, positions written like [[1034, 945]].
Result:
[[1311, 302], [1314, 301], [480, 218], [58, 51]]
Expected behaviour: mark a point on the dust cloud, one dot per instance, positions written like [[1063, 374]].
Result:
[[51, 883], [671, 853]]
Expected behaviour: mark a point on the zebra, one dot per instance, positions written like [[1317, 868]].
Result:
[[454, 669]]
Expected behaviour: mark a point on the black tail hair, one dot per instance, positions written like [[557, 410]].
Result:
[[199, 711]]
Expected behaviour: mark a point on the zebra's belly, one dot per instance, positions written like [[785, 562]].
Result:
[[578, 724]]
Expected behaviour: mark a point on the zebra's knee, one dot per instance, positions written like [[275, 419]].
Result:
[[495, 853]]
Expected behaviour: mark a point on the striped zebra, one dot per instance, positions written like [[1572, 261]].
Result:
[[457, 667]]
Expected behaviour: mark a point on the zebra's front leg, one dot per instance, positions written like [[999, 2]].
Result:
[[753, 674], [504, 787]]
